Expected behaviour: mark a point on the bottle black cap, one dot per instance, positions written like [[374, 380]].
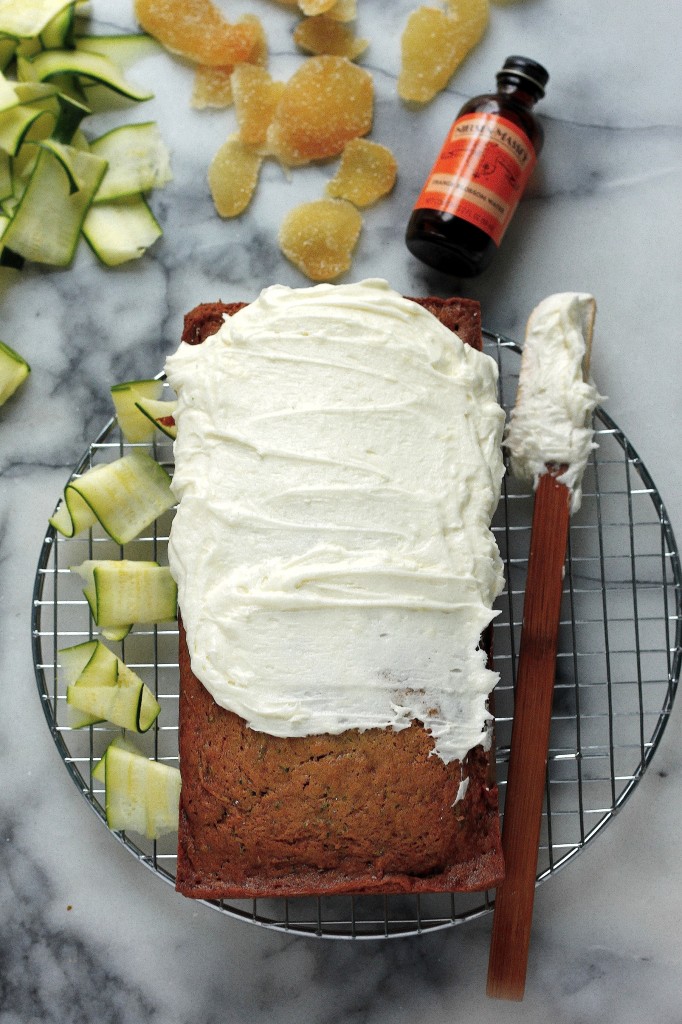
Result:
[[524, 67]]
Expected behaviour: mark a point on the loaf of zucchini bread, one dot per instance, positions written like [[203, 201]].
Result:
[[286, 789]]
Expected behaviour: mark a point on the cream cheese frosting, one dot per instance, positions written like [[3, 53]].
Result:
[[338, 462], [551, 422]]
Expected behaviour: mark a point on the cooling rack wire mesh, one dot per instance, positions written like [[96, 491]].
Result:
[[617, 671]]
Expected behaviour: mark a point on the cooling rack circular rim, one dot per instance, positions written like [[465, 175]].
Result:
[[348, 929]]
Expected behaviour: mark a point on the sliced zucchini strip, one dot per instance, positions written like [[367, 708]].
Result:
[[134, 426], [8, 48], [121, 231], [28, 48], [13, 371], [138, 160], [8, 96], [160, 414], [73, 109], [72, 661], [121, 705], [47, 222], [28, 18], [141, 795], [124, 496], [18, 123], [93, 66], [6, 182], [121, 593], [58, 33], [99, 771], [123, 50], [79, 165], [100, 685], [35, 92], [107, 690]]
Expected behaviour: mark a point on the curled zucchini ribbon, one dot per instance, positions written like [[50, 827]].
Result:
[[140, 411], [100, 687], [121, 593], [124, 497], [141, 795], [13, 371]]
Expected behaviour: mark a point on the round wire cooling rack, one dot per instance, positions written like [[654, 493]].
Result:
[[620, 650]]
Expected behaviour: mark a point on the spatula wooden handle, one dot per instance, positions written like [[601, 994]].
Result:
[[530, 740]]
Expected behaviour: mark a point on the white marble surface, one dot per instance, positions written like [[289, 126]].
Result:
[[86, 934]]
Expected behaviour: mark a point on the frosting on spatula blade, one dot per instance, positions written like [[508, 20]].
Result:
[[551, 424]]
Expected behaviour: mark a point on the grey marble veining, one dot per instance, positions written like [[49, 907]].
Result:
[[86, 933]]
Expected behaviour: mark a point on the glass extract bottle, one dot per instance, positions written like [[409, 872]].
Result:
[[479, 177]]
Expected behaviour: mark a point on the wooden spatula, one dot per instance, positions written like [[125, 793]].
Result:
[[530, 731]]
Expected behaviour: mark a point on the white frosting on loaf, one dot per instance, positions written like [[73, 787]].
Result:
[[338, 463]]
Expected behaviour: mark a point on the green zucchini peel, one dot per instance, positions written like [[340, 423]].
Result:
[[103, 688], [123, 496]]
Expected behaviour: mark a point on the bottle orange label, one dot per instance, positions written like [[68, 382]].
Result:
[[481, 172]]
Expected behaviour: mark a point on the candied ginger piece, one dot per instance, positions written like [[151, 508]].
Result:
[[343, 10], [472, 20], [260, 50], [255, 100], [319, 237], [433, 45], [313, 7], [197, 30], [324, 35], [233, 176], [325, 103], [212, 87], [366, 173]]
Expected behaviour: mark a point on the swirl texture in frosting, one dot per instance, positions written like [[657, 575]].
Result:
[[338, 463]]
